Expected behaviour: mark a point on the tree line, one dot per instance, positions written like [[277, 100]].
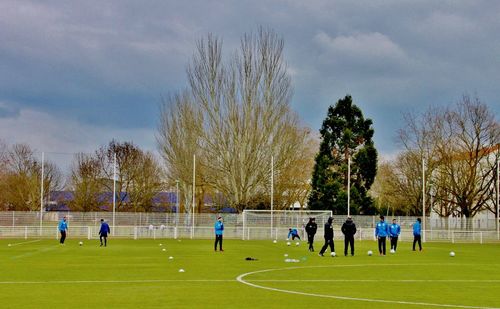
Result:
[[139, 177], [232, 129], [456, 150]]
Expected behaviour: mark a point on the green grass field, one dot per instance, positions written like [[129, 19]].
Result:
[[139, 274]]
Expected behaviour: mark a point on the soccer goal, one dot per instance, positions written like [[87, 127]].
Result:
[[266, 224]]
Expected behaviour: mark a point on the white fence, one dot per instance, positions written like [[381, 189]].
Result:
[[170, 225]]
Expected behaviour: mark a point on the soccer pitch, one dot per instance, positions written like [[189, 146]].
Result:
[[141, 274]]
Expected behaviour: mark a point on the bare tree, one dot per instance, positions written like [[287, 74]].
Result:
[[178, 137], [419, 138], [294, 171], [127, 157], [3, 175], [469, 137], [86, 182], [390, 189], [23, 178], [459, 147], [138, 175], [239, 117], [147, 182]]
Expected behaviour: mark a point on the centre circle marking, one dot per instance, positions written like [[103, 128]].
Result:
[[241, 279]]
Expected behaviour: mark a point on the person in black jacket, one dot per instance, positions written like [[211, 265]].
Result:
[[328, 237], [349, 229], [311, 229]]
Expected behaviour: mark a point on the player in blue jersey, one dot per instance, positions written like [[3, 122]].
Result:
[[394, 232], [63, 228], [103, 232], [381, 232], [293, 233], [219, 231], [417, 232]]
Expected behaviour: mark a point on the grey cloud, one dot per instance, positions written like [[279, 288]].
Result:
[[107, 64]]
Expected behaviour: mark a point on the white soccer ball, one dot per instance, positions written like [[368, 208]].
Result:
[[170, 257], [288, 243], [452, 254], [274, 241], [9, 245], [181, 270], [393, 251], [285, 255], [81, 243], [333, 254], [370, 252], [161, 245], [297, 243], [163, 249]]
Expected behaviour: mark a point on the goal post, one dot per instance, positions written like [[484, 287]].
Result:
[[267, 224]]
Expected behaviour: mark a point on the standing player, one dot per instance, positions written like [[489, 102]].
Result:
[[63, 228], [311, 229], [219, 230], [103, 232], [349, 229], [293, 233], [417, 232], [394, 231], [381, 232], [328, 237]]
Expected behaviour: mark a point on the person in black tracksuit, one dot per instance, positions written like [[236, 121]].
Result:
[[328, 237], [349, 229], [311, 229]]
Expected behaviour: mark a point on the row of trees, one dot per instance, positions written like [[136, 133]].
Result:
[[139, 177], [234, 122], [459, 146], [20, 177]]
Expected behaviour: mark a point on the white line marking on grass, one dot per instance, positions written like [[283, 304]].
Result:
[[116, 281], [378, 280], [41, 250], [25, 242], [241, 280]]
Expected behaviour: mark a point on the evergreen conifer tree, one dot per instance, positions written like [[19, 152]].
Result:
[[344, 134]]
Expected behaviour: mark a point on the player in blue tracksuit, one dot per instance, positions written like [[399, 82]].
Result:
[[219, 230], [293, 233], [417, 232], [63, 228], [103, 232], [394, 231], [381, 232]]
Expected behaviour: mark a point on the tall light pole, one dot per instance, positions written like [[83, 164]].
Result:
[[498, 199], [272, 194], [41, 195], [177, 202], [348, 186], [423, 199], [114, 191], [194, 194]]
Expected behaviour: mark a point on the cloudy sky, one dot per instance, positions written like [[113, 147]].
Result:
[[75, 74]]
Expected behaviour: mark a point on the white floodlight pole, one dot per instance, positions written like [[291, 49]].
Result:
[[423, 199], [498, 199], [348, 186], [114, 191], [194, 193], [41, 195], [177, 201], [272, 195]]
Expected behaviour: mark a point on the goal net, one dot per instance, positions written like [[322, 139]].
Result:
[[264, 224]]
